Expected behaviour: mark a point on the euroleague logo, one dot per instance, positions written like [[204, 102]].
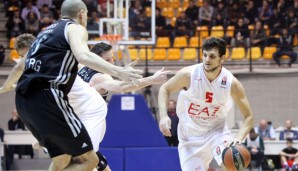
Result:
[[223, 82], [218, 151]]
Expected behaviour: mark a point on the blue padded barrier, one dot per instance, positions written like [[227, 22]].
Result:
[[115, 158]]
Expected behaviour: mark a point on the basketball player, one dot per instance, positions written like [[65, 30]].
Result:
[[86, 102], [41, 93], [203, 103]]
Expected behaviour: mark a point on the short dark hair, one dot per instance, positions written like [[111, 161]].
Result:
[[24, 41], [289, 140], [100, 48], [217, 43]]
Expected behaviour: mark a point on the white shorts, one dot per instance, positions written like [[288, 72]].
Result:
[[95, 124], [196, 152]]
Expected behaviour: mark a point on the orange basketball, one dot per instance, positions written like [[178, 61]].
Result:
[[236, 157]]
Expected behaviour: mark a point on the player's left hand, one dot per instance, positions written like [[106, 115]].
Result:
[[232, 142], [160, 76], [165, 126]]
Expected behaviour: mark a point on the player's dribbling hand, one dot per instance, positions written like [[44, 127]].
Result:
[[165, 126], [160, 76], [232, 142], [129, 73]]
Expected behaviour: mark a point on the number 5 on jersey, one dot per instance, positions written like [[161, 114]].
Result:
[[209, 97]]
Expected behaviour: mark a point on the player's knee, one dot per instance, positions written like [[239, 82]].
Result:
[[62, 161]]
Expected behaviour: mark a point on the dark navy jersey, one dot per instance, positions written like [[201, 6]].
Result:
[[86, 74], [50, 62]]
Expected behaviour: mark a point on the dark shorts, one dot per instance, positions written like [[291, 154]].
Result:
[[52, 121]]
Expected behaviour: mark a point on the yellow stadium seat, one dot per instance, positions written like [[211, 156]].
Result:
[[174, 54], [163, 42], [230, 31], [251, 27], [162, 3], [267, 30], [255, 53], [185, 3], [217, 31], [238, 53], [174, 3], [200, 3], [268, 52], [159, 54], [202, 31], [173, 21], [143, 54], [295, 41], [168, 12], [179, 11], [148, 11], [180, 42], [133, 54], [190, 54], [14, 55], [194, 42], [12, 42]]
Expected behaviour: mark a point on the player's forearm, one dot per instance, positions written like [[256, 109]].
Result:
[[246, 126], [163, 97], [132, 86], [14, 75], [94, 62]]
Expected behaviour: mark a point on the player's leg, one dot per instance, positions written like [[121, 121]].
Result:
[[60, 162], [84, 162]]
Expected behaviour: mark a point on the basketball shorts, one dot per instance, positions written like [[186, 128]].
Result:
[[52, 121], [197, 151]]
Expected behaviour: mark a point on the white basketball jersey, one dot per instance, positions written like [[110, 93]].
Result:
[[204, 106]]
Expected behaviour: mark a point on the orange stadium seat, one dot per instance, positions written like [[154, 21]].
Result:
[[174, 54], [202, 31], [133, 54], [12, 42], [255, 53], [143, 54], [173, 21], [190, 54], [162, 3], [185, 3], [200, 3], [238, 53], [180, 42], [163, 42], [174, 3], [14, 55], [268, 52], [168, 12], [148, 11], [230, 31], [179, 11], [194, 42], [217, 31], [159, 54]]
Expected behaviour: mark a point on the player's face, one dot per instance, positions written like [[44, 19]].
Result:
[[108, 56], [22, 52], [83, 17], [211, 60]]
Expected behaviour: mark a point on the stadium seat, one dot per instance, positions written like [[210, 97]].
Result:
[[162, 3], [267, 29], [217, 31], [202, 31], [174, 3], [200, 3], [143, 54], [251, 27], [159, 54], [255, 52], [133, 54], [179, 11], [148, 11], [185, 3], [295, 41], [194, 42], [163, 42], [268, 52], [173, 21], [174, 54], [168, 12], [180, 42], [190, 54], [14, 55], [230, 31], [238, 53], [12, 42]]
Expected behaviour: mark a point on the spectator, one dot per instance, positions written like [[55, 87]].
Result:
[[288, 133], [205, 14], [11, 6], [46, 12], [274, 23], [258, 36], [32, 24], [173, 140], [30, 8], [265, 12], [160, 23], [285, 45], [291, 21], [289, 156], [282, 7], [265, 130], [251, 12], [141, 26], [220, 12], [41, 3], [2, 54], [192, 12], [241, 34], [182, 27], [234, 13], [256, 147], [15, 25]]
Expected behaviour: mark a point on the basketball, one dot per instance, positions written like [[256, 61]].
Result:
[[236, 157]]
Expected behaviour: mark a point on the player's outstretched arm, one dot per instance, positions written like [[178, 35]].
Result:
[[13, 76], [104, 81], [78, 37], [239, 96], [179, 81]]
